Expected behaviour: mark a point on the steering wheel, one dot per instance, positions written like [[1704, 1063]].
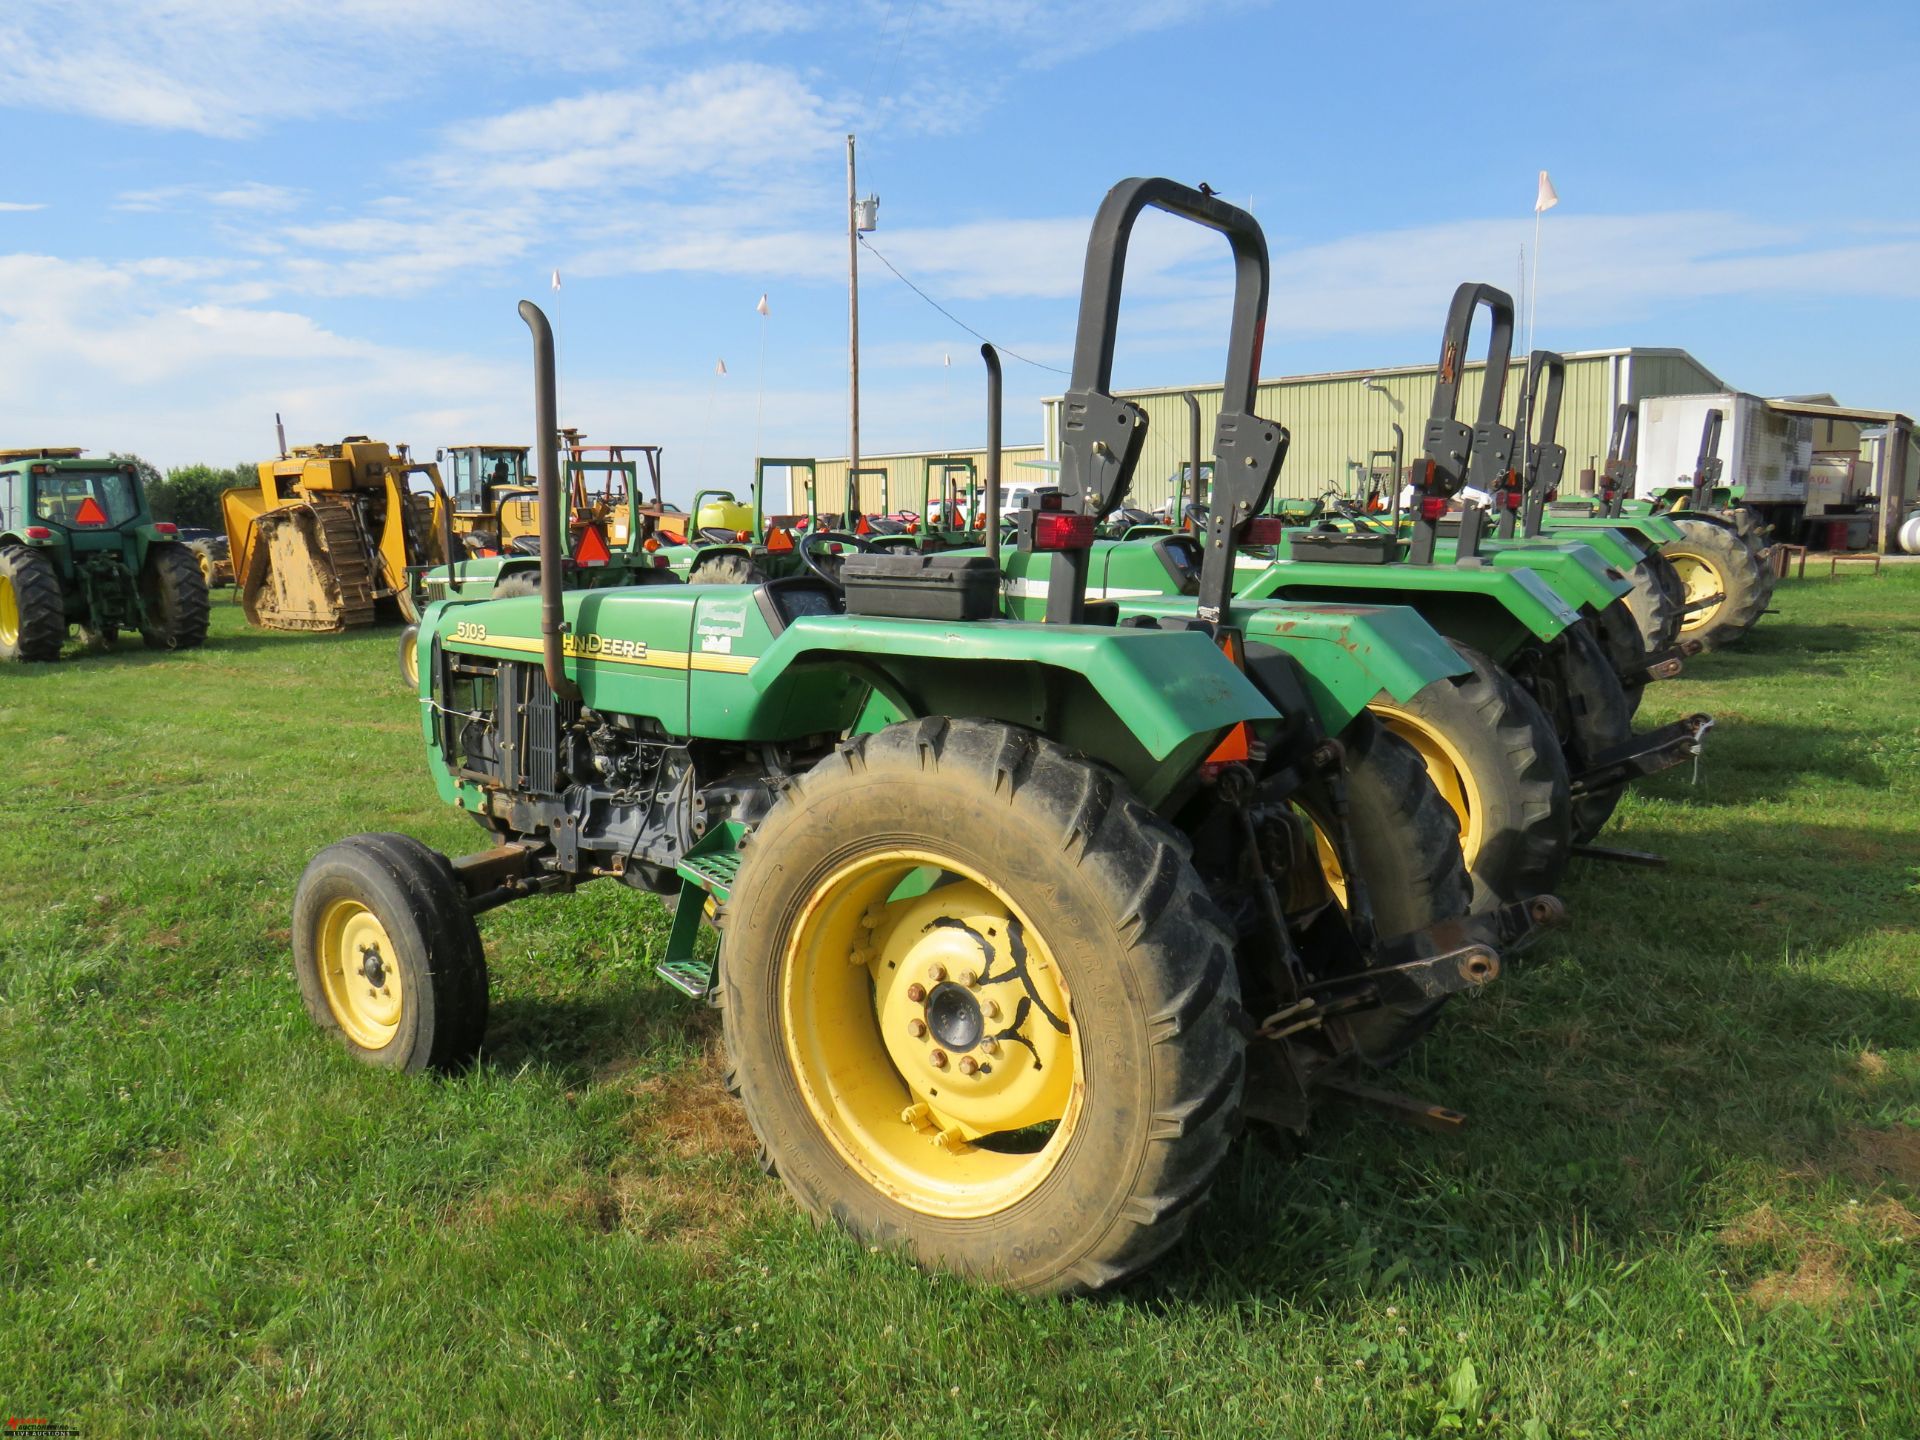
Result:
[[822, 563]]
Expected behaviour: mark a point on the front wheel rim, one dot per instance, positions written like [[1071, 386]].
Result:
[[9, 613], [359, 974], [928, 1029]]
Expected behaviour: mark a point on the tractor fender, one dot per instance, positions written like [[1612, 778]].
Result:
[[1493, 609], [1348, 654], [1151, 703]]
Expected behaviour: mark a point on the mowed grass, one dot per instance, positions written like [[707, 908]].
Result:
[[1685, 1204]]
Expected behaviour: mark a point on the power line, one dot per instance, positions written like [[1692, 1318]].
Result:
[[1010, 354]]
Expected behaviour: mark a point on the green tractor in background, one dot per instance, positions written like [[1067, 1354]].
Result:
[[1723, 570], [78, 546], [1019, 922], [612, 537]]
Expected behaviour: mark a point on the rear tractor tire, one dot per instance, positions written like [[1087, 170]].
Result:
[[727, 570], [979, 1007], [1406, 842], [1714, 562], [517, 582], [33, 612], [387, 956], [175, 608], [1492, 755], [1575, 686]]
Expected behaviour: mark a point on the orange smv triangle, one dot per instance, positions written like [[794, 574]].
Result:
[[89, 513], [592, 548]]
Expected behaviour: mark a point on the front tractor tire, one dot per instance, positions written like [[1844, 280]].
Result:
[[410, 659], [387, 955], [33, 613], [979, 1007], [175, 608]]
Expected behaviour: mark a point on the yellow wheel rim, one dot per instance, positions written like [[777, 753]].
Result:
[[1330, 867], [359, 974], [1452, 776], [1703, 581], [9, 612], [410, 663], [928, 1028], [206, 566]]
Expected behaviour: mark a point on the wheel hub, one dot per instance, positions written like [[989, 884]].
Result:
[[931, 1034], [954, 1017], [362, 989]]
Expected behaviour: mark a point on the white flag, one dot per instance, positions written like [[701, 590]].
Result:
[[1547, 198], [719, 367], [947, 360], [556, 279], [762, 306]]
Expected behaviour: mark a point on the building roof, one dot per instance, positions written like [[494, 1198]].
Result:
[[1381, 371]]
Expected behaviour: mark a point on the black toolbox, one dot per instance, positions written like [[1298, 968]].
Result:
[[922, 587], [1352, 547]]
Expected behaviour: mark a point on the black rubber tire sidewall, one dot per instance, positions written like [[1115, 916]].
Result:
[[1164, 1000], [412, 891]]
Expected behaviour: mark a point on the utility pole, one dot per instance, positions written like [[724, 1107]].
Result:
[[853, 321]]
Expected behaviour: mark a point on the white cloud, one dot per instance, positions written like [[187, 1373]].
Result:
[[736, 124], [227, 69], [251, 195], [10, 206]]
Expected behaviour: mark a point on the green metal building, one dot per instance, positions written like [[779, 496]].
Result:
[[1336, 420]]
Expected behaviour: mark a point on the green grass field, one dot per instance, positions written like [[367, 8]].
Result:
[[1685, 1204]]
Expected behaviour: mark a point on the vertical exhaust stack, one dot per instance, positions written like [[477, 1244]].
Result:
[[553, 520], [280, 432], [991, 503], [1179, 518]]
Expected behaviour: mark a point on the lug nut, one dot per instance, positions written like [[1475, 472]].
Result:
[[936, 972], [990, 1046], [938, 1059], [916, 1028], [916, 992], [969, 979], [990, 1009], [968, 1064]]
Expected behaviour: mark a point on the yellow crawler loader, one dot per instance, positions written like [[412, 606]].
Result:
[[324, 541]]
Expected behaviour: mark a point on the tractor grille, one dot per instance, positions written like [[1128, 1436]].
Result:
[[531, 720]]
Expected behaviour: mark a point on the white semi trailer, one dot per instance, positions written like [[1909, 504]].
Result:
[[1765, 455]]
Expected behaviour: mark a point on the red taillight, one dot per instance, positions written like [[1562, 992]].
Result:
[[1059, 530], [1265, 530], [166, 527], [1513, 499], [39, 532], [743, 536], [1433, 507]]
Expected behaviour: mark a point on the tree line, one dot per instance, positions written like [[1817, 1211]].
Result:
[[189, 495]]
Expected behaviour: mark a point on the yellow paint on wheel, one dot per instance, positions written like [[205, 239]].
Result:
[[410, 664], [9, 613], [1703, 581], [1452, 776], [930, 1034], [359, 974]]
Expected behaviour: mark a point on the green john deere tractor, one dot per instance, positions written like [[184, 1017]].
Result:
[[1723, 568], [1505, 617], [1018, 921], [611, 534], [79, 547]]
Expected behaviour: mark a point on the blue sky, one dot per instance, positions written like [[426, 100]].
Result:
[[209, 211]]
